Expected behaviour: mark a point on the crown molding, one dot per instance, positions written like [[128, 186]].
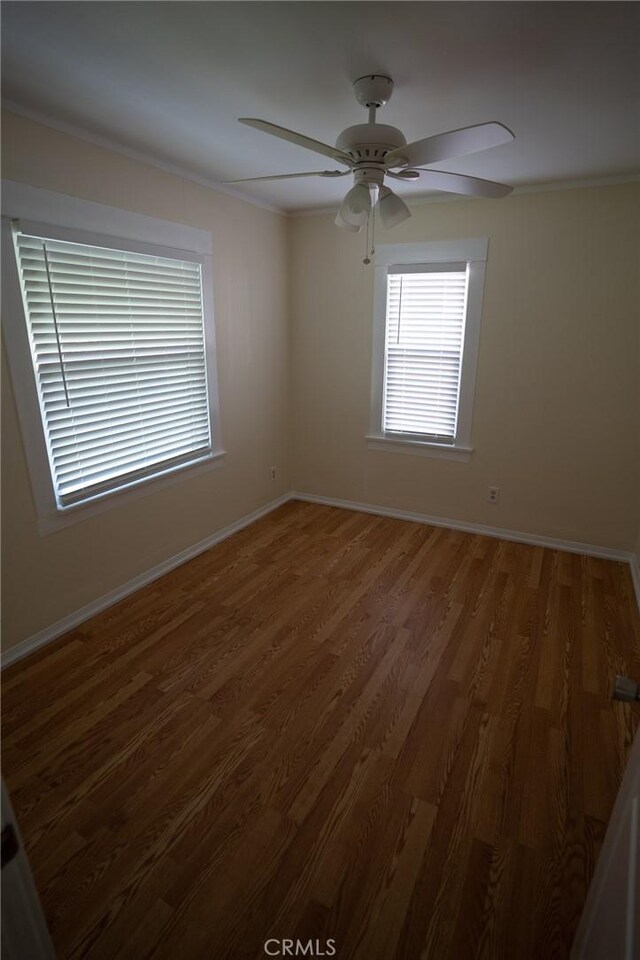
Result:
[[108, 144], [212, 184]]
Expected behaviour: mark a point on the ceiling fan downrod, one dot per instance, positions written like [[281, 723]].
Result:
[[373, 91]]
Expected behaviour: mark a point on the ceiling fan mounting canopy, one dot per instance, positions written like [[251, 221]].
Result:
[[371, 151], [373, 90]]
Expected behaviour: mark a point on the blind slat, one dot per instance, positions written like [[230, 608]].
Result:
[[424, 337], [117, 340], [140, 472]]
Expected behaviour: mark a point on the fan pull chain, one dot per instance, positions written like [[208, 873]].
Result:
[[55, 322], [366, 243], [373, 231], [369, 251]]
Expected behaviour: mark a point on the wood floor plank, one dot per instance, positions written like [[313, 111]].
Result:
[[332, 725]]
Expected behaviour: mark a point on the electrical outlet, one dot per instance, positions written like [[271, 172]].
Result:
[[493, 494], [273, 473]]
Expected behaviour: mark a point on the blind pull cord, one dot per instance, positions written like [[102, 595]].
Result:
[[55, 322]]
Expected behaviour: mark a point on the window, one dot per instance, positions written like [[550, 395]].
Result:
[[120, 358], [427, 312]]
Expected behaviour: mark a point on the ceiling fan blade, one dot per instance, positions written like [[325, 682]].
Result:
[[459, 183], [355, 209], [298, 138], [455, 143], [403, 174], [290, 176]]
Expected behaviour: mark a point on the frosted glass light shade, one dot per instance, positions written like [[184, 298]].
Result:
[[355, 208], [392, 209]]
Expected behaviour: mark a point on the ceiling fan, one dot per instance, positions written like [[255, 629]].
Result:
[[373, 151]]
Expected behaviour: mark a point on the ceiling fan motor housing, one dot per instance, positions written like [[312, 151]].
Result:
[[370, 142]]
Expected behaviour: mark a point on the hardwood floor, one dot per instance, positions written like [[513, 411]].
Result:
[[332, 725]]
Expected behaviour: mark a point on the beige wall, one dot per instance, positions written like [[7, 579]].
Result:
[[46, 578], [556, 395], [555, 416]]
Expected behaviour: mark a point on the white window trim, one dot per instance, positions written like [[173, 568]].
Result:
[[67, 218], [473, 252]]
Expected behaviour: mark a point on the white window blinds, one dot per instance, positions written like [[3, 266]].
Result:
[[118, 351], [425, 318]]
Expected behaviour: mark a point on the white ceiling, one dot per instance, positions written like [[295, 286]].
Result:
[[170, 79]]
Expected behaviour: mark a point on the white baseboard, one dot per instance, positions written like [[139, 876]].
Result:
[[57, 629], [571, 546], [39, 639]]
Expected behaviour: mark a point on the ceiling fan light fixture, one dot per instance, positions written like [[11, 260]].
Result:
[[392, 209], [345, 225], [372, 151], [355, 208]]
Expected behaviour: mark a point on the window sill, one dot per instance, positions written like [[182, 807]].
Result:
[[420, 448], [133, 491]]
